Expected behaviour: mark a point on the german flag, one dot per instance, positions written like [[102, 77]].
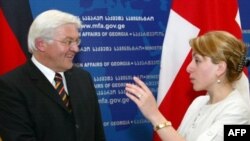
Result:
[[15, 19]]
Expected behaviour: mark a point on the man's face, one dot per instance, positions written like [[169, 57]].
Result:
[[61, 49]]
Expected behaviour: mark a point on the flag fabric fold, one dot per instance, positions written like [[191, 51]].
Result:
[[15, 19], [188, 19]]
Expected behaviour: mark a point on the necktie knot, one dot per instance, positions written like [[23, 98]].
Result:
[[58, 77]]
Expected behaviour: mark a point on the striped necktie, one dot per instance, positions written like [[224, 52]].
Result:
[[61, 91]]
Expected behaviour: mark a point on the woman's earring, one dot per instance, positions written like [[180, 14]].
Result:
[[218, 81]]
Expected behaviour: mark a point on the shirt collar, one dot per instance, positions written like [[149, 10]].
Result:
[[47, 72]]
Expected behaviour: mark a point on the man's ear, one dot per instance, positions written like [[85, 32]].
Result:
[[222, 66], [40, 44]]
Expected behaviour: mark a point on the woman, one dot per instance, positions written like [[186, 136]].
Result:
[[217, 62]]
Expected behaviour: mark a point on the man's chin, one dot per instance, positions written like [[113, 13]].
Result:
[[69, 66]]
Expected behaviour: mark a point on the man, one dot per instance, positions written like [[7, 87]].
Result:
[[31, 108]]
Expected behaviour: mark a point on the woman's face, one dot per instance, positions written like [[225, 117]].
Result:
[[202, 72]]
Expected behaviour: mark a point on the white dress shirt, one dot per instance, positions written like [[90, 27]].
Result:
[[48, 73]]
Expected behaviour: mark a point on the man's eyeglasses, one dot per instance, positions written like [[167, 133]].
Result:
[[69, 42]]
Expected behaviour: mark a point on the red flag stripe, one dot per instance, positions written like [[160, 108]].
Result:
[[11, 54], [210, 14], [15, 19]]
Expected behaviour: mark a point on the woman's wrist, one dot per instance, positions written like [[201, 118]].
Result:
[[157, 118], [162, 125]]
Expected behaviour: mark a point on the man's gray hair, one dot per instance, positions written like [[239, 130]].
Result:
[[45, 24]]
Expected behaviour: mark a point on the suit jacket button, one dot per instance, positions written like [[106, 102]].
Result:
[[77, 126]]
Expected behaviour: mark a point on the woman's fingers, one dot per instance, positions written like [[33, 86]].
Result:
[[141, 84], [133, 98], [134, 90]]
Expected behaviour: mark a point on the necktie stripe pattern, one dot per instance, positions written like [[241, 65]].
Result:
[[60, 89]]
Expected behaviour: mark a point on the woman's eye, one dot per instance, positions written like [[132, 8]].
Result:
[[197, 60]]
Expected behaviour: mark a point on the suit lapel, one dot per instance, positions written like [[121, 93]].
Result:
[[41, 82], [74, 90], [71, 89]]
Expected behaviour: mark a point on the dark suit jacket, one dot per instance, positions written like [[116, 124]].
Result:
[[31, 110]]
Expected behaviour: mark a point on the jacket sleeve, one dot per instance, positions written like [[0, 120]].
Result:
[[15, 123]]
